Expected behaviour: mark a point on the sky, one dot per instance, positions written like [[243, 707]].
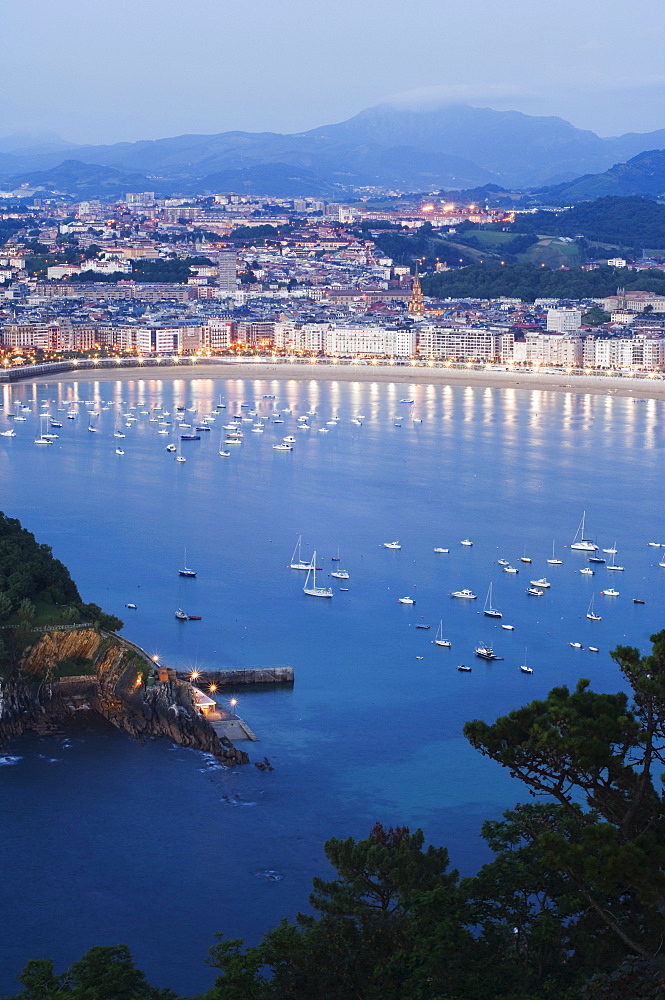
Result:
[[144, 69]]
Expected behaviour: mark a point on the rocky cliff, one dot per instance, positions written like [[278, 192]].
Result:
[[112, 684]]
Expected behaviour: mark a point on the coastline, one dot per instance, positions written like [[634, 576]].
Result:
[[597, 385]]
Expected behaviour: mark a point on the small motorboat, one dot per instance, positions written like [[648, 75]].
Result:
[[181, 616], [392, 545], [542, 583], [510, 569], [587, 572], [441, 550], [423, 626], [534, 591], [610, 592], [132, 606], [593, 649], [465, 594], [509, 628], [638, 600], [503, 562], [467, 542], [525, 669], [405, 600], [464, 669], [576, 645]]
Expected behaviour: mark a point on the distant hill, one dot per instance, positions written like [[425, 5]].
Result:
[[452, 147], [82, 180], [643, 175]]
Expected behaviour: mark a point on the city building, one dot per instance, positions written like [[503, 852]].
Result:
[[564, 319]]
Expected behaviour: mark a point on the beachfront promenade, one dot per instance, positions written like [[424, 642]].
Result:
[[647, 385]]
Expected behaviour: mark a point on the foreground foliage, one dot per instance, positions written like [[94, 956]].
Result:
[[572, 906]]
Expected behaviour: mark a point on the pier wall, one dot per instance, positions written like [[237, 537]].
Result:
[[238, 676]]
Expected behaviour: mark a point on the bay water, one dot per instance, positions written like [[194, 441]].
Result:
[[106, 840]]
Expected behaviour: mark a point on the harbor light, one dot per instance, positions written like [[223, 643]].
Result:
[[233, 702], [212, 688], [194, 675]]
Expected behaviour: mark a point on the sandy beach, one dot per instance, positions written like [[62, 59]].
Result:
[[599, 385]]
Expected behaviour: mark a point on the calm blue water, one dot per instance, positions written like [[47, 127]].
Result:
[[110, 841]]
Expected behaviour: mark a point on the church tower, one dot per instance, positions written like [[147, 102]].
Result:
[[417, 300]]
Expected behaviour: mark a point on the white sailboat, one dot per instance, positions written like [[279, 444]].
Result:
[[185, 571], [315, 591], [523, 667], [591, 614], [580, 543], [440, 641], [554, 561], [222, 450], [488, 609], [179, 456], [43, 438], [297, 561], [613, 564]]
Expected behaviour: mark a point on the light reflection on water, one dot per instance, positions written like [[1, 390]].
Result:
[[151, 837]]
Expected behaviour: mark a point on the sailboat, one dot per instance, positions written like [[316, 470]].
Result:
[[488, 609], [523, 666], [583, 544], [117, 433], [315, 591], [591, 614], [337, 573], [185, 571], [222, 450], [297, 560], [180, 457], [613, 564], [554, 561], [43, 438], [440, 641]]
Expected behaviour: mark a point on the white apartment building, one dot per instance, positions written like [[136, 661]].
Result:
[[464, 343], [25, 335], [644, 351], [370, 340], [549, 349], [564, 319], [217, 334], [308, 337]]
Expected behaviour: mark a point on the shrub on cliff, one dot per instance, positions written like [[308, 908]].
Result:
[[36, 587], [28, 569]]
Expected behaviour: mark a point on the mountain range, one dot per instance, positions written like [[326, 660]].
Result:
[[455, 146]]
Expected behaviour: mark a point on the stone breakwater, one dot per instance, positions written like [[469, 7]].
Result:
[[114, 685]]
